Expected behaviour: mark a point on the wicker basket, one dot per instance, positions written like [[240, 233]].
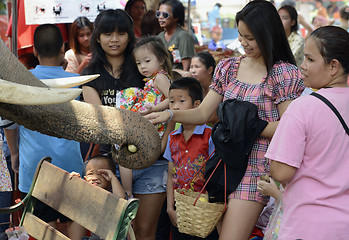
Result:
[[198, 220]]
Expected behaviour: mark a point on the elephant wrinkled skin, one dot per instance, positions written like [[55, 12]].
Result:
[[81, 121]]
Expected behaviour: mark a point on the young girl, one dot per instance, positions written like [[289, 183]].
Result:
[[178, 41], [79, 55], [265, 76], [153, 62], [289, 18], [112, 43]]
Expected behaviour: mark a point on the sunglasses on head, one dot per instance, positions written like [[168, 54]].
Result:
[[164, 14]]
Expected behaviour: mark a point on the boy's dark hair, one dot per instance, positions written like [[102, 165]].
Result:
[[264, 22], [155, 45], [192, 85], [48, 40], [177, 10], [109, 159]]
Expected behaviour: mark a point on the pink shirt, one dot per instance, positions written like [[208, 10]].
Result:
[[311, 138]]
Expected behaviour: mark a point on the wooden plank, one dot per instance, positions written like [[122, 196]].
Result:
[[92, 207], [38, 229]]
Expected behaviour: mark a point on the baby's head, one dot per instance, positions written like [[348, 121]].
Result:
[[151, 55], [92, 173], [185, 93]]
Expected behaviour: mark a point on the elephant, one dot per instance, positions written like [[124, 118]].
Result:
[[80, 121]]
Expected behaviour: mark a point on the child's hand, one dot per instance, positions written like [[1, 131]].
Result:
[[107, 174], [268, 189], [148, 109], [74, 174], [86, 60]]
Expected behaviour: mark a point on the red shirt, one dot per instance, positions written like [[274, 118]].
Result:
[[188, 157]]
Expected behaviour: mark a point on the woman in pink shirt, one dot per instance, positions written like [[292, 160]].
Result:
[[309, 151]]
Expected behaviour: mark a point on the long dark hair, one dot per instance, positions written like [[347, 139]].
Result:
[[130, 3], [150, 24], [293, 15], [265, 24], [207, 59], [333, 43], [77, 25], [109, 21]]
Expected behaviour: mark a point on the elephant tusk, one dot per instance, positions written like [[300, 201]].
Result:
[[14, 93], [69, 82]]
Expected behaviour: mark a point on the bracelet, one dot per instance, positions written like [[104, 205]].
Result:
[[170, 113]]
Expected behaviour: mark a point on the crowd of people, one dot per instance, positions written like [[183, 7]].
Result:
[[148, 64]]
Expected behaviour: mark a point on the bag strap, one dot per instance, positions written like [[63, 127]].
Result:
[[225, 180], [225, 184], [333, 108]]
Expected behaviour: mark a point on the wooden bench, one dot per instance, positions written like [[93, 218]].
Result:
[[92, 207]]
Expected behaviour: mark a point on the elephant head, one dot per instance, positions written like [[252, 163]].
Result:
[[79, 121]]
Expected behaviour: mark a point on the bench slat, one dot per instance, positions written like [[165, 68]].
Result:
[[38, 229], [79, 200]]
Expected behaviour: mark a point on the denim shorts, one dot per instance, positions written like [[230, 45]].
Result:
[[149, 180]]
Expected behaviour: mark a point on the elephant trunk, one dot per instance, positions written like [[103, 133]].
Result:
[[80, 121]]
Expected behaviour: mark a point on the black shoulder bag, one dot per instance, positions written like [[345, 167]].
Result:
[[333, 108]]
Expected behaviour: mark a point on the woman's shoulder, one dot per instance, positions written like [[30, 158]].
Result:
[[69, 54], [295, 36], [182, 32], [226, 63], [280, 67], [285, 74]]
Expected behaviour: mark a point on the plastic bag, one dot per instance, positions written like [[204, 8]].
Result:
[[17, 233], [273, 227]]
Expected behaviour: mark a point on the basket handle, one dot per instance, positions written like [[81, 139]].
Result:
[[225, 184]]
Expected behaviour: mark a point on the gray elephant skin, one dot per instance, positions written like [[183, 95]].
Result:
[[81, 121]]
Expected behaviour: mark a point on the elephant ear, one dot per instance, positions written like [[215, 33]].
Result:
[[80, 121]]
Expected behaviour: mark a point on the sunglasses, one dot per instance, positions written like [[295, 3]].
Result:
[[164, 14]]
